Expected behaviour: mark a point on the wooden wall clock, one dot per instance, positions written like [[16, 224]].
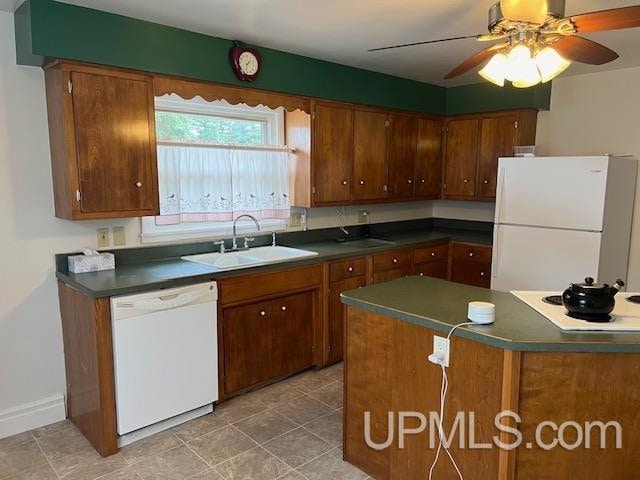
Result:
[[245, 62]]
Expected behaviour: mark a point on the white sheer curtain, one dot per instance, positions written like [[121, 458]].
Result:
[[203, 184]]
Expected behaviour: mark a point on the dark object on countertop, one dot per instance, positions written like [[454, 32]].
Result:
[[634, 299], [591, 301], [553, 300]]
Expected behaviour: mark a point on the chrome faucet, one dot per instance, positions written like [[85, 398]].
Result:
[[246, 240]]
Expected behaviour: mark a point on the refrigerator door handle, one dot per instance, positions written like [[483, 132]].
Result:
[[496, 249], [500, 193]]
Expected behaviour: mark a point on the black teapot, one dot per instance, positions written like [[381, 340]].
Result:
[[591, 301]]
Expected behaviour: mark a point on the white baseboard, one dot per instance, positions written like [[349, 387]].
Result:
[[32, 415]]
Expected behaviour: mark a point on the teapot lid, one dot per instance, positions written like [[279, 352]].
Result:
[[589, 287]]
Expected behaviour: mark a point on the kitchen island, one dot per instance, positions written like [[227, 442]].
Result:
[[522, 364]]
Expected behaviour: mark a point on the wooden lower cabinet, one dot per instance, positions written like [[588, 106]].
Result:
[[336, 314], [470, 264], [267, 340], [437, 269]]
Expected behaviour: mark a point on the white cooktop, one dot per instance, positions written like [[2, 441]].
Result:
[[625, 316]]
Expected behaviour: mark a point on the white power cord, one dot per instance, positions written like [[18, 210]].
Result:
[[443, 397]]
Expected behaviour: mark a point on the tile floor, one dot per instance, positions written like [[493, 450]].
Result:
[[291, 430]]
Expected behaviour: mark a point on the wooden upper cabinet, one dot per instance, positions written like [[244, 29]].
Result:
[[497, 139], [332, 151], [102, 135], [370, 155], [461, 152], [403, 148], [429, 159]]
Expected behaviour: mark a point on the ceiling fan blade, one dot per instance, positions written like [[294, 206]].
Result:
[[531, 11], [423, 43], [584, 51], [473, 61], [615, 19]]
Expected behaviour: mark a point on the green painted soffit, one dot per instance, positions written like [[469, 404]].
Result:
[[482, 97], [46, 30]]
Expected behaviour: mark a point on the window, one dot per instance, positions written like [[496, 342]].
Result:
[[217, 161]]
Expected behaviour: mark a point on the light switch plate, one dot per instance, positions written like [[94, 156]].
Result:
[[295, 220], [363, 216], [119, 236], [441, 347], [103, 237]]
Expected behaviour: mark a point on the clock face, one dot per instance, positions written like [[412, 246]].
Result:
[[248, 63]]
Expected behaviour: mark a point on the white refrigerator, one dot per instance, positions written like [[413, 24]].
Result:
[[561, 219]]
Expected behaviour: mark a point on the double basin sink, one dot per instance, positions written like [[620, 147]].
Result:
[[258, 256]]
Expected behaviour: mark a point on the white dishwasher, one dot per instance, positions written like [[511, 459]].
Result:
[[166, 355]]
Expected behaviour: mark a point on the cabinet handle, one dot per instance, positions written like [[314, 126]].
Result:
[[471, 254], [482, 274], [466, 180], [262, 313], [139, 184], [350, 269], [283, 308], [433, 254], [422, 181], [409, 181], [361, 182], [486, 182], [395, 260], [344, 182], [421, 274]]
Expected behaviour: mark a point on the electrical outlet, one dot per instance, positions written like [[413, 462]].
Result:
[[103, 237], [295, 220], [363, 216], [119, 236], [441, 348]]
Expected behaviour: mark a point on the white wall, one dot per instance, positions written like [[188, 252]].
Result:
[[477, 211], [595, 114]]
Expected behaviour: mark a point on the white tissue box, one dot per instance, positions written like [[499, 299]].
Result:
[[91, 263]]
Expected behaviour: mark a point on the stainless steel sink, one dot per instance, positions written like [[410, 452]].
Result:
[[369, 243]]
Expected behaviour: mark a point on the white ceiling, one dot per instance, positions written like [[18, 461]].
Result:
[[343, 30], [9, 5]]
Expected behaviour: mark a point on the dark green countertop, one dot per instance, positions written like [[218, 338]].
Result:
[[440, 305], [170, 272]]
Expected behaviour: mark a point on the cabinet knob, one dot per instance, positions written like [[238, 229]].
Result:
[[482, 274], [283, 308], [409, 181], [344, 182], [421, 274], [262, 313], [486, 182], [422, 181], [433, 254], [350, 269], [395, 260], [139, 184], [471, 254], [361, 182], [466, 180]]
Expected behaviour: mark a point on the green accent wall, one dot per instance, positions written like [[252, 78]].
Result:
[[47, 30], [487, 97]]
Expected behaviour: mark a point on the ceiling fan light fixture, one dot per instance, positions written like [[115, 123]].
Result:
[[495, 70], [550, 63], [519, 63], [530, 11]]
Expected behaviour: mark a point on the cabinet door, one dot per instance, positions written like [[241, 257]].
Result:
[[266, 340], [115, 142], [429, 158], [497, 139], [332, 153], [247, 336], [403, 148], [336, 315], [437, 269], [461, 153], [370, 156], [471, 273], [292, 338]]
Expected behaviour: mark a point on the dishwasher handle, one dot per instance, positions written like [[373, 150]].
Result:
[[162, 302]]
